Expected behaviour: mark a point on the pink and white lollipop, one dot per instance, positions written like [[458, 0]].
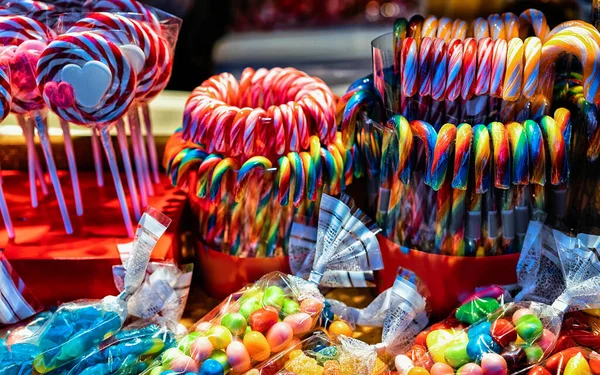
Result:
[[87, 80], [124, 6]]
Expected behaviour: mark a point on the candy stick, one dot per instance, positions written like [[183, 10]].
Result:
[[454, 76], [425, 132], [513, 77], [425, 74], [150, 141], [459, 29], [481, 161], [97, 158], [114, 169], [498, 67], [496, 25], [410, 67], [502, 175], [439, 66], [415, 26], [519, 149], [72, 166], [133, 193], [511, 25], [537, 171], [445, 29], [484, 66], [480, 28], [47, 148], [136, 132], [430, 27], [469, 68], [441, 182], [138, 165], [31, 157], [536, 19], [533, 54], [557, 148], [464, 137], [5, 214]]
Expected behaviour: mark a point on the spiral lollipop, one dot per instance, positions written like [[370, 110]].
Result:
[[124, 6], [100, 87]]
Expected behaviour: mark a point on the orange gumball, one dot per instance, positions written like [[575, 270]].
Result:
[[538, 370], [311, 306], [418, 370], [422, 338], [339, 327]]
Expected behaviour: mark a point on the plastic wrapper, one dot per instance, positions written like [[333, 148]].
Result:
[[129, 351], [76, 327], [578, 329], [517, 334], [275, 312], [16, 301]]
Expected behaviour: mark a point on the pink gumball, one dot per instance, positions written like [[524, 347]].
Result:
[[201, 349], [470, 369], [493, 364], [279, 336], [311, 306], [185, 364], [519, 314], [547, 340], [441, 369], [238, 357], [301, 323], [203, 327]]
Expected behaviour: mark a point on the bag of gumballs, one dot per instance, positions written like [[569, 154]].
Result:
[[518, 334], [77, 327], [279, 309], [405, 316]]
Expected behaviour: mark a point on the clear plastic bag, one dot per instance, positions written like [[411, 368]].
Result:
[[517, 334]]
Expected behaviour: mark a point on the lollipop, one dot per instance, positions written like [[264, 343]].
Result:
[[5, 99], [99, 86], [29, 37]]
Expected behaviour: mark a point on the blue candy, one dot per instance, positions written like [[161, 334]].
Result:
[[481, 345], [211, 367], [483, 328]]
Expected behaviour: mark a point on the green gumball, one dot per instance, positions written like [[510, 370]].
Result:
[[221, 357], [170, 355], [289, 307], [274, 296], [235, 323], [249, 307], [186, 342]]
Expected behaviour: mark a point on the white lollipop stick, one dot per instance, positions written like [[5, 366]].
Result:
[[39, 172], [136, 133], [97, 158], [138, 167], [31, 165], [5, 215], [72, 166], [135, 201], [114, 170], [47, 148], [150, 140]]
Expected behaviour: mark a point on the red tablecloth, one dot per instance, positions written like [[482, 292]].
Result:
[[58, 267]]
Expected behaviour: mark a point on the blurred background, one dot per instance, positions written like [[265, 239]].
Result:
[[327, 38]]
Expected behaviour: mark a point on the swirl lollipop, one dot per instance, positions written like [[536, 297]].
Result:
[[27, 38], [98, 85], [5, 99], [124, 6]]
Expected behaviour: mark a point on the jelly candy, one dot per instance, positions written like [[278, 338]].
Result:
[[332, 368], [578, 366], [475, 310], [257, 346], [301, 364], [235, 323], [329, 353], [456, 355], [504, 332], [273, 296]]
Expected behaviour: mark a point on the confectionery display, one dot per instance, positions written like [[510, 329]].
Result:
[[328, 233]]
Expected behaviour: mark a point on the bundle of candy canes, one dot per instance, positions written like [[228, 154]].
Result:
[[91, 67], [476, 122], [260, 152]]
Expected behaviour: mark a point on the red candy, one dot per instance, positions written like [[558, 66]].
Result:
[[594, 363], [263, 319], [561, 359], [504, 332], [419, 355], [538, 370]]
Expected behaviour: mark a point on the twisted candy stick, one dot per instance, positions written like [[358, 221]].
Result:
[[459, 29], [533, 54], [126, 6], [415, 25], [441, 181], [255, 164], [502, 170], [218, 174], [429, 27], [480, 28], [410, 67], [556, 148], [481, 147], [405, 141], [425, 75], [5, 100], [426, 133], [537, 170], [535, 19], [498, 67], [514, 70], [439, 66], [497, 30], [455, 62], [520, 174], [445, 27], [469, 68], [464, 137], [359, 102], [484, 66]]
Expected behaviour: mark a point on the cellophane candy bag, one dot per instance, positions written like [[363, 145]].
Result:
[[77, 327], [517, 334], [278, 310], [572, 361]]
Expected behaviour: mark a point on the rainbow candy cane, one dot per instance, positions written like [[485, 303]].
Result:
[[464, 138]]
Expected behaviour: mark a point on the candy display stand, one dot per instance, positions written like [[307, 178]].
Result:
[[449, 279], [59, 267]]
